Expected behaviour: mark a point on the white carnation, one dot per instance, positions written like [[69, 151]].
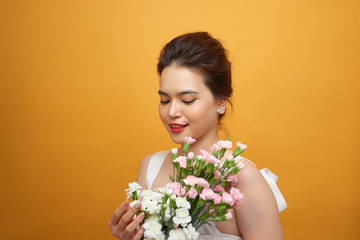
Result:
[[154, 196], [154, 218], [182, 217], [152, 207], [177, 234], [133, 187], [153, 229], [165, 190], [191, 232], [181, 202], [151, 201]]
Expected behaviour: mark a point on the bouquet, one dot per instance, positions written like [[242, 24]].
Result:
[[196, 194]]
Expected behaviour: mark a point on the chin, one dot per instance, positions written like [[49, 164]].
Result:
[[177, 138]]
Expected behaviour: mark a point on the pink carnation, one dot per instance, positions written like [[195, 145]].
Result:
[[176, 187], [207, 194], [217, 174], [241, 165], [208, 157], [192, 193], [219, 188], [215, 147], [236, 194], [230, 157], [182, 161], [236, 205], [241, 146], [233, 179], [203, 183], [191, 180], [217, 198], [174, 150], [189, 140], [228, 215], [226, 198], [225, 144], [191, 155], [213, 160]]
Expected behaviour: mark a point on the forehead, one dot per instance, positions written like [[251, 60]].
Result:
[[176, 78]]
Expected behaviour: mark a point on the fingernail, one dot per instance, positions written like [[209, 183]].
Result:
[[137, 205]]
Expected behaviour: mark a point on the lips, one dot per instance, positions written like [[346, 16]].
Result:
[[176, 127]]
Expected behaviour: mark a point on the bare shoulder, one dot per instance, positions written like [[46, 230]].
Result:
[[258, 215], [252, 183], [249, 172], [141, 177], [146, 160]]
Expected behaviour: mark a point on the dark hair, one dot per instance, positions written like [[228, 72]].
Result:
[[202, 52]]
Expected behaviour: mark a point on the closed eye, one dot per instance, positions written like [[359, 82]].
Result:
[[165, 102], [189, 102]]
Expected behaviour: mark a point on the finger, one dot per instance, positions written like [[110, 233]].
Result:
[[128, 216], [118, 213], [139, 233], [130, 229]]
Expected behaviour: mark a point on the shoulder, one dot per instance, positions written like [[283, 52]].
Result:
[[252, 183], [258, 211], [249, 172], [146, 159], [145, 162], [141, 177]]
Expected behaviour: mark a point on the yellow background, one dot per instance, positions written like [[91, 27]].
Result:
[[78, 107]]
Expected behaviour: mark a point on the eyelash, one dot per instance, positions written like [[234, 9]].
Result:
[[189, 102], [186, 102]]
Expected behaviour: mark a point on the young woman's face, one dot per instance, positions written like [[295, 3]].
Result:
[[187, 106]]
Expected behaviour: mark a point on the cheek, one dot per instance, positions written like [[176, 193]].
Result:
[[203, 115]]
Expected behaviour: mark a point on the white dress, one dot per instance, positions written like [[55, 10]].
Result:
[[210, 232]]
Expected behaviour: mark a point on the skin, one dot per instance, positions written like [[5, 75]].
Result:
[[185, 99]]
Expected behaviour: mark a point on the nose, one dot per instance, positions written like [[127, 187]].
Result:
[[174, 110]]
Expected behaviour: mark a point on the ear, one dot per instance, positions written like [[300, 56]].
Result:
[[222, 102], [221, 105]]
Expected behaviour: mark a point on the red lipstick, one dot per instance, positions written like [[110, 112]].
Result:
[[176, 127]]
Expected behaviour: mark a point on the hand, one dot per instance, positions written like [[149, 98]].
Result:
[[122, 224]]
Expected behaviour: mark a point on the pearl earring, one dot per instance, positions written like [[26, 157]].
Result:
[[221, 110]]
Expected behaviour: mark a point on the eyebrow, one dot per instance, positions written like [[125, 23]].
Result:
[[180, 93]]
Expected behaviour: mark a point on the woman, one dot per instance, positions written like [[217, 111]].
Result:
[[195, 89]]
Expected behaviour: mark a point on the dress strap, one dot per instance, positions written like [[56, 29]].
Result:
[[271, 180], [154, 166]]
